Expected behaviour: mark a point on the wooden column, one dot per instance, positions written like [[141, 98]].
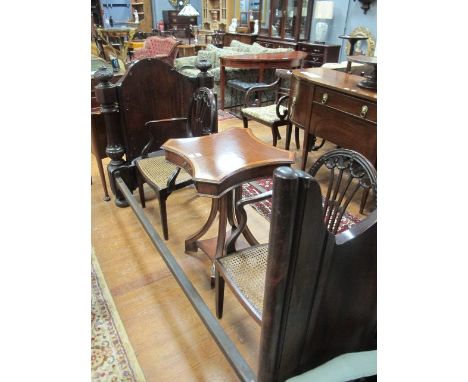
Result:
[[106, 95]]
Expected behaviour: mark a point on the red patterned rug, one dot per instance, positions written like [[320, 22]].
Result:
[[264, 208], [222, 115]]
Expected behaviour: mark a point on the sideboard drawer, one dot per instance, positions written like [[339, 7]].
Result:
[[358, 107], [345, 131]]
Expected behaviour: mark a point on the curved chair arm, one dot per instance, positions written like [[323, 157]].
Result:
[[254, 89], [172, 179], [230, 242], [282, 117], [156, 126]]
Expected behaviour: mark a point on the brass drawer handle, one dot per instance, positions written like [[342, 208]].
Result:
[[324, 97], [364, 111]]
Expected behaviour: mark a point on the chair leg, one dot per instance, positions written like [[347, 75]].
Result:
[[141, 190], [162, 209], [296, 137], [288, 135], [245, 121], [274, 132], [219, 294]]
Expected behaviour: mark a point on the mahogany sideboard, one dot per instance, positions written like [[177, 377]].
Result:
[[328, 104]]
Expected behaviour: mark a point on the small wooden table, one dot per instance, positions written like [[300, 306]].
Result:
[[262, 61], [329, 104], [219, 164]]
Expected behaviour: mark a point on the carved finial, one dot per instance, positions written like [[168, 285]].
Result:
[[103, 74], [203, 65]]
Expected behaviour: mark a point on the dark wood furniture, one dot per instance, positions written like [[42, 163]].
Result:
[[274, 115], [349, 174], [328, 104], [164, 177], [286, 23], [352, 43], [219, 164], [314, 292], [149, 90], [287, 60], [172, 21], [246, 38], [318, 54], [370, 81], [98, 133]]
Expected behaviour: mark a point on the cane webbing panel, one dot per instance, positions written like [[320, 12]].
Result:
[[246, 269], [266, 114], [158, 170]]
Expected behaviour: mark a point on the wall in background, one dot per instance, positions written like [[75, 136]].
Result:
[[348, 15], [165, 5]]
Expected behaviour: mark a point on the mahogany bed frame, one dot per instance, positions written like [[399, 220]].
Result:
[[320, 298]]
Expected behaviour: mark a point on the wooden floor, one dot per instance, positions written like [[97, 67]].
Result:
[[169, 339]]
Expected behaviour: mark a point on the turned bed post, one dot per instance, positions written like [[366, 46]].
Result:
[[106, 95]]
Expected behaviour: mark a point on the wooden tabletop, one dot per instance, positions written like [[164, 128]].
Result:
[[221, 161], [333, 79], [266, 57]]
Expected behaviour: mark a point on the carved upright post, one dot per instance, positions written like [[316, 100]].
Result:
[[106, 95], [207, 80], [204, 78]]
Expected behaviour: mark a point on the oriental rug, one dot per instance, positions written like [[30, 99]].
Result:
[[222, 115], [112, 355], [264, 208]]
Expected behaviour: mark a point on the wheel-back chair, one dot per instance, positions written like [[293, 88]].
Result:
[[162, 176]]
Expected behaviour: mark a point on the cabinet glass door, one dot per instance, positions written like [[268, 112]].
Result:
[[290, 19], [304, 26], [265, 11], [277, 20]]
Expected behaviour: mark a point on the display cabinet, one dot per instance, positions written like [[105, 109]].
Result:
[[145, 14], [216, 12], [284, 22]]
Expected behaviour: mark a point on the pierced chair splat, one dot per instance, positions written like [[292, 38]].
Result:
[[162, 176]]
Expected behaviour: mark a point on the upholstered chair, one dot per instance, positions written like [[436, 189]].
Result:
[[164, 48], [275, 114]]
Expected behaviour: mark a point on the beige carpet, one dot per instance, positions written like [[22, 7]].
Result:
[[112, 355]]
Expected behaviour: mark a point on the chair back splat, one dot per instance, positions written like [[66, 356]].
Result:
[[202, 115], [348, 174]]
